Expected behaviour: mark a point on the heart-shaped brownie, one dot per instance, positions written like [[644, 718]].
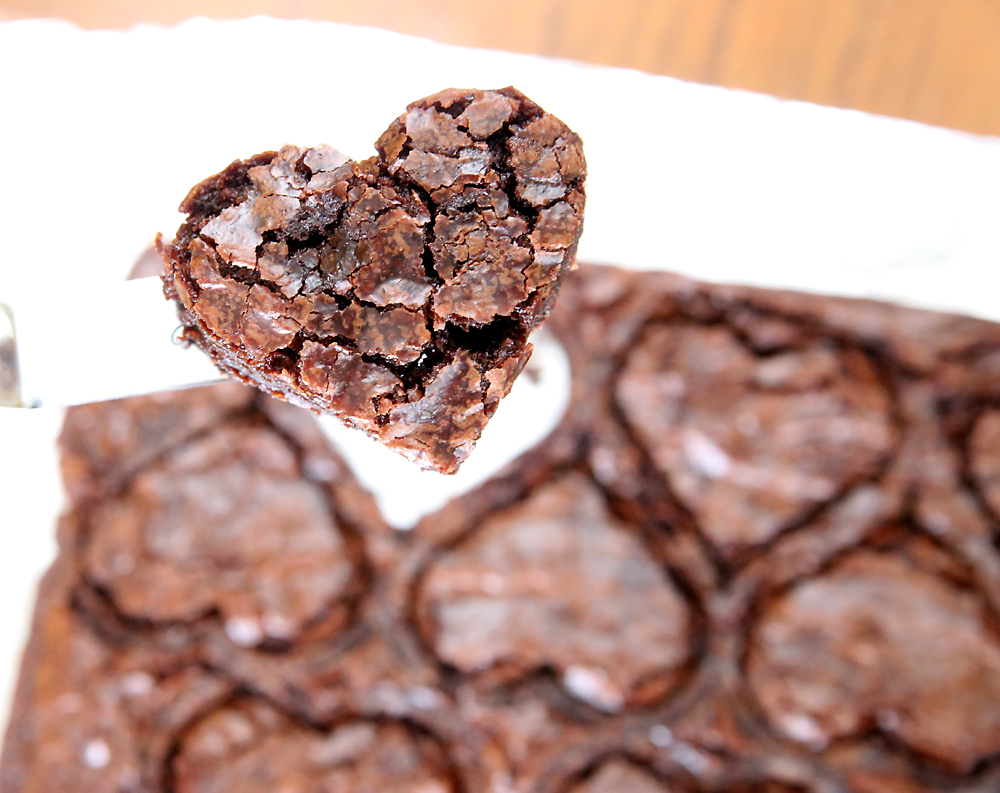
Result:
[[397, 293], [752, 444]]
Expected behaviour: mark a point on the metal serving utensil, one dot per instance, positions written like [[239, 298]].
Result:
[[95, 343]]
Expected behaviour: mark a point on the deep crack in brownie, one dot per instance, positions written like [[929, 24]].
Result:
[[759, 555], [397, 293]]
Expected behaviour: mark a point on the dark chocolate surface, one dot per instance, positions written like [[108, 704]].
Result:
[[760, 554], [397, 293]]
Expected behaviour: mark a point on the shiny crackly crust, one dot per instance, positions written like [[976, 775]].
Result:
[[397, 293]]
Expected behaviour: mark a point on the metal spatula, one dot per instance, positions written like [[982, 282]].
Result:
[[117, 339], [99, 342]]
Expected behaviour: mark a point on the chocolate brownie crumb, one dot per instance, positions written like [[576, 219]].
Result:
[[397, 293]]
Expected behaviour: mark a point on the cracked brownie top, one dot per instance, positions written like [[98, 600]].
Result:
[[397, 293]]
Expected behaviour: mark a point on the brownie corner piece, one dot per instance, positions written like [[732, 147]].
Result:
[[397, 293]]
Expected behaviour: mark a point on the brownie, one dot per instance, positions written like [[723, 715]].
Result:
[[759, 555], [397, 293], [249, 745]]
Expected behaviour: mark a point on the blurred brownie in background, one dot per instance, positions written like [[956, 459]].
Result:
[[758, 555]]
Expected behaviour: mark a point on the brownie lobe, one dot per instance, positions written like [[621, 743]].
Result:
[[876, 643], [249, 746], [750, 443], [226, 524], [557, 582]]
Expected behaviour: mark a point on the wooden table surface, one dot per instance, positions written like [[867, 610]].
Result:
[[936, 61]]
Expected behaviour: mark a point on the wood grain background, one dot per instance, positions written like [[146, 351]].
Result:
[[936, 61]]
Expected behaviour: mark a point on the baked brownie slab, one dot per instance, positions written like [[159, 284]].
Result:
[[760, 554], [397, 293], [821, 471]]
